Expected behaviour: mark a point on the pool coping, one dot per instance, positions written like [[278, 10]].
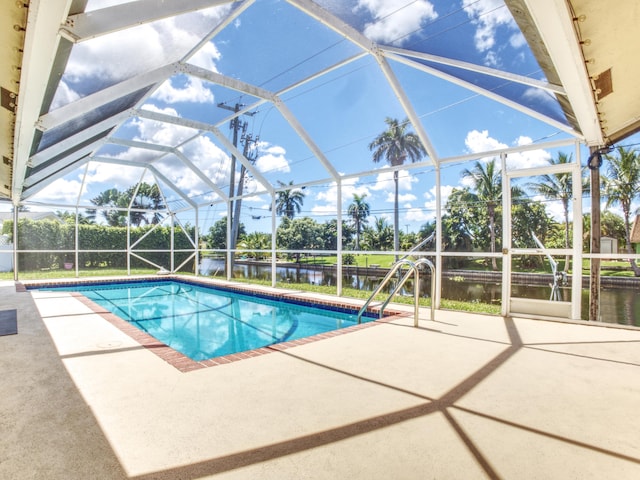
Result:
[[185, 364]]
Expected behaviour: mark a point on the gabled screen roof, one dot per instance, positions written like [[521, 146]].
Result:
[[158, 85]]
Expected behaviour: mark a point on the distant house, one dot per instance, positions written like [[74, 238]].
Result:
[[635, 234], [30, 215], [608, 245]]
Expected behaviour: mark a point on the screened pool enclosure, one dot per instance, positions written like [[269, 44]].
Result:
[[147, 128]]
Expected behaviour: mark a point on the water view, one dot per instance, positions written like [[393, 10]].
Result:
[[617, 305]]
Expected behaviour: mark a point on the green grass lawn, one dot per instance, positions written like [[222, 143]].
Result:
[[475, 307]]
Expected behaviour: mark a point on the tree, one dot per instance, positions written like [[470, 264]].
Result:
[[558, 186], [330, 234], [255, 241], [458, 221], [70, 218], [380, 236], [359, 210], [300, 234], [217, 237], [147, 197], [396, 145], [622, 186], [487, 182], [111, 197], [289, 201], [611, 225]]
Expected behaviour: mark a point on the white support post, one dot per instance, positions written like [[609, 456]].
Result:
[[197, 239], [437, 277], [172, 243], [576, 274], [273, 239], [506, 236], [339, 239], [128, 248], [76, 244], [15, 242], [229, 252]]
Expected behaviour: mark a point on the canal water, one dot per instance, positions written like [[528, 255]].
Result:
[[617, 305]]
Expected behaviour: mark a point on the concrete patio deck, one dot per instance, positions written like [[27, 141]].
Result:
[[464, 397]]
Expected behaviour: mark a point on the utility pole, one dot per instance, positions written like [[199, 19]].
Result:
[[233, 212]]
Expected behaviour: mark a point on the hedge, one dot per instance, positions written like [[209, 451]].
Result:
[[52, 236]]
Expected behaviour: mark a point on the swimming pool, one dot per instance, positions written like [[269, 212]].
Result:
[[203, 322]]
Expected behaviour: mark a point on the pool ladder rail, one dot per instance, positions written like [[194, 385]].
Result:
[[413, 269]]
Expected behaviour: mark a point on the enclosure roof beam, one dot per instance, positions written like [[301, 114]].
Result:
[[163, 117], [493, 72], [83, 135], [227, 82], [200, 174], [486, 93], [91, 102], [306, 138], [49, 175], [243, 160], [88, 25], [38, 58], [177, 190], [138, 144], [154, 170], [335, 24], [408, 107]]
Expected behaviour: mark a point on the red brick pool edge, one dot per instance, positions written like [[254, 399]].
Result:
[[185, 364]]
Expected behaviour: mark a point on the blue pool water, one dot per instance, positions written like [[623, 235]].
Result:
[[204, 322]]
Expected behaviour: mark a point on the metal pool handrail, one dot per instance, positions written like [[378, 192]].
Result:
[[413, 268]]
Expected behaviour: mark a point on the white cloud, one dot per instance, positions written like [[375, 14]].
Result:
[[554, 208], [107, 175], [428, 211], [537, 95], [193, 91], [528, 159], [418, 215], [393, 24], [430, 198], [64, 95], [159, 132], [326, 200], [144, 42], [62, 191], [517, 40], [384, 181], [209, 158], [207, 57], [145, 47], [478, 142], [271, 158], [406, 197], [487, 15]]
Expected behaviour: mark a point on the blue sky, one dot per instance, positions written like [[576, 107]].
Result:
[[272, 45]]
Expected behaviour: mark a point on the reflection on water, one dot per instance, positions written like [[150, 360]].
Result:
[[617, 305]]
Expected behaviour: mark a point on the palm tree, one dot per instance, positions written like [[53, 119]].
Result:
[[359, 210], [111, 197], [148, 197], [487, 183], [622, 186], [558, 186], [289, 201], [396, 145], [379, 236]]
